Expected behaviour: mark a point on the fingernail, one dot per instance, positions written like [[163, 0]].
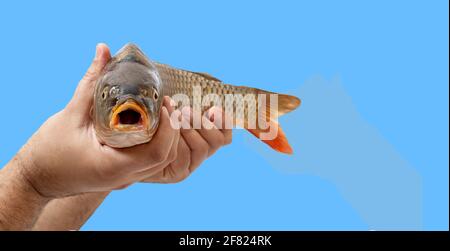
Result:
[[97, 50], [172, 103]]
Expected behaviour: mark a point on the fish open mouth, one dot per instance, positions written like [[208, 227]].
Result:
[[129, 116]]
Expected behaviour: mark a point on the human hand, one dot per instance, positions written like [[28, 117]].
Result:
[[193, 147], [64, 156]]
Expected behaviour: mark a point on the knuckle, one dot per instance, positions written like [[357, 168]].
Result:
[[215, 144], [181, 176], [203, 147], [200, 155], [220, 141], [228, 139]]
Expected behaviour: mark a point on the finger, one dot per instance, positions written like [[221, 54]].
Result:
[[213, 136], [152, 171], [168, 103], [173, 155], [174, 150], [198, 146], [82, 100], [216, 115], [175, 115], [177, 171]]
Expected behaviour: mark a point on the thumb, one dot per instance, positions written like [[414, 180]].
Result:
[[81, 102]]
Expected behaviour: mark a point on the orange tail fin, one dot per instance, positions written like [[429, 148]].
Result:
[[279, 143], [286, 103]]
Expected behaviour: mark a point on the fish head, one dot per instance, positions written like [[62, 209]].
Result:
[[127, 100]]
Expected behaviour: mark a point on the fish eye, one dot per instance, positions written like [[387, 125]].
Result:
[[105, 93], [155, 94]]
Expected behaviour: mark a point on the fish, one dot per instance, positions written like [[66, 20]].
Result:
[[129, 92]]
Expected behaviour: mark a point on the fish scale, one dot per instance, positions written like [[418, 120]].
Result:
[[178, 81]]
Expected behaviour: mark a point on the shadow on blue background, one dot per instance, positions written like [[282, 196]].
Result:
[[333, 142], [364, 155]]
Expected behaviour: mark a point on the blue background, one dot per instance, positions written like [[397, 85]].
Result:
[[387, 59]]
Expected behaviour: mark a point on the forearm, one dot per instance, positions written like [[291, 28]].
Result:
[[69, 213], [20, 203]]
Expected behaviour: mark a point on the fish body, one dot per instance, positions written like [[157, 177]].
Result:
[[128, 98]]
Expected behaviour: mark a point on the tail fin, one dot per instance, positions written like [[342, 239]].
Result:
[[279, 143], [286, 103]]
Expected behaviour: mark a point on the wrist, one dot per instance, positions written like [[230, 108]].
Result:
[[20, 202], [34, 171], [69, 213], [19, 173]]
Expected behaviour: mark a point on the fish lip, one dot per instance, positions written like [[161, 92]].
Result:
[[129, 104]]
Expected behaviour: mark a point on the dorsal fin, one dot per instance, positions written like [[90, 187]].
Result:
[[173, 69], [207, 76], [131, 53]]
